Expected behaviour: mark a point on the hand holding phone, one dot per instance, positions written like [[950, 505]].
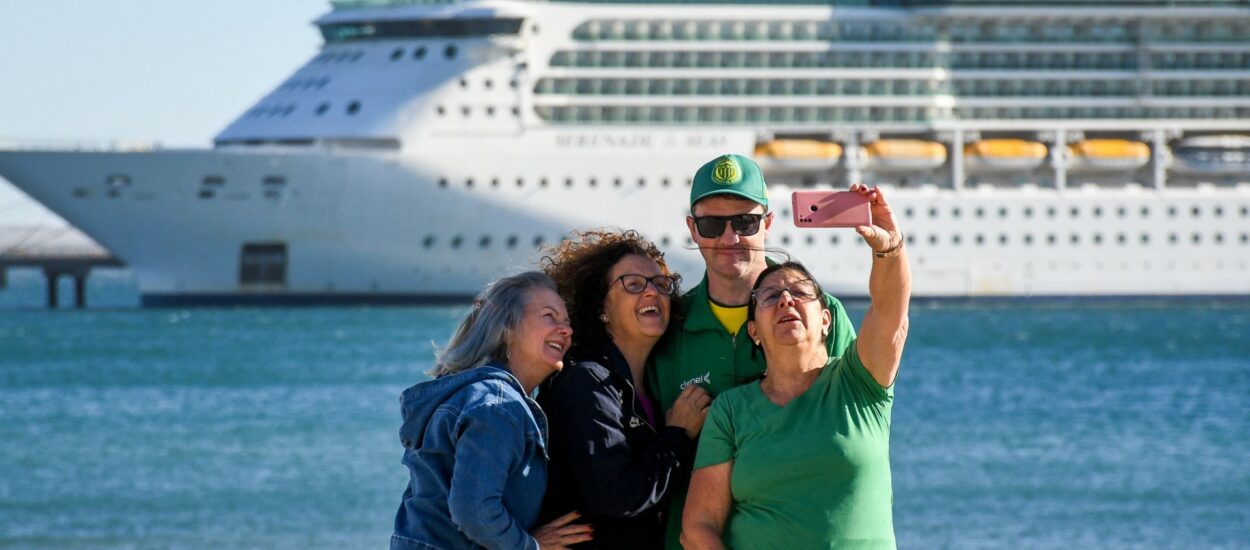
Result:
[[830, 209]]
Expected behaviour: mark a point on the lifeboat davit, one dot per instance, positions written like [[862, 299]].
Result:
[[1003, 155], [1107, 155], [797, 155], [903, 155], [1213, 154]]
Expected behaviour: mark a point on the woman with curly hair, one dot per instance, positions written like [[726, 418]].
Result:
[[614, 457]]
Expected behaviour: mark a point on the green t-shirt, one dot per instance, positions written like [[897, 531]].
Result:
[[812, 474]]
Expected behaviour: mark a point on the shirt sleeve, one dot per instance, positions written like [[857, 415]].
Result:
[[716, 441], [860, 380], [489, 448]]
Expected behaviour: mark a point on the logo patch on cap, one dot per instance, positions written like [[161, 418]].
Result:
[[727, 172]]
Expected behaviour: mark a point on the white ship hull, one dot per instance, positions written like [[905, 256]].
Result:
[[382, 188]]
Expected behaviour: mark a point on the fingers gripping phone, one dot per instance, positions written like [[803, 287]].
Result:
[[830, 209]]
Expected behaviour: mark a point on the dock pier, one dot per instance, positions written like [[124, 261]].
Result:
[[57, 253]]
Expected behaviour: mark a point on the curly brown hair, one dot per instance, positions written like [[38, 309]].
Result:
[[580, 265]]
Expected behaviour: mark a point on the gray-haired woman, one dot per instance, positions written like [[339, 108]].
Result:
[[474, 442]]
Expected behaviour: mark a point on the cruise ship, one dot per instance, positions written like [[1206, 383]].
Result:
[[1057, 149]]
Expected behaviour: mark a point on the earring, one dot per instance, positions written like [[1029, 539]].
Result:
[[603, 317], [757, 342]]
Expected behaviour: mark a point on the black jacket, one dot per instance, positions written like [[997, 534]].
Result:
[[607, 461]]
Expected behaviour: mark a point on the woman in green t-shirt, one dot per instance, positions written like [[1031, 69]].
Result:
[[801, 459]]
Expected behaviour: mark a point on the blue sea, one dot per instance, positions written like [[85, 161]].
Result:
[[1029, 426]]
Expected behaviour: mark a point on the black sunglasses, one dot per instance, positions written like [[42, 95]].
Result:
[[634, 283], [744, 225]]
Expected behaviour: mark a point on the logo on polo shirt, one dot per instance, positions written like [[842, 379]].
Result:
[[705, 379]]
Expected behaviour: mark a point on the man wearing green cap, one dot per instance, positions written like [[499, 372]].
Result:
[[729, 222]]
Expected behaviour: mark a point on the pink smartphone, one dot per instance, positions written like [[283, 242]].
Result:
[[830, 209]]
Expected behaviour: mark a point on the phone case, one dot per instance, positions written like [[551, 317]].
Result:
[[830, 209]]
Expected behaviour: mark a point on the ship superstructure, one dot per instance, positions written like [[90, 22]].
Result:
[[428, 148]]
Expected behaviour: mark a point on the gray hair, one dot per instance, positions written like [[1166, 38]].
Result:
[[482, 336]]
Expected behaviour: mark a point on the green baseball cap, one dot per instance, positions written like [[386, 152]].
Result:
[[729, 174]]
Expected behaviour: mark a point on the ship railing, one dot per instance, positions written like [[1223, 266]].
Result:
[[80, 146]]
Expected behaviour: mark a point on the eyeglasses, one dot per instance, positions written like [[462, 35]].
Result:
[[800, 291], [711, 227], [634, 283]]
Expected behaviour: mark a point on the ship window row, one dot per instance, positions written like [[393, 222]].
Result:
[[1054, 239], [351, 108], [338, 56], [568, 182], [735, 86], [820, 115], [304, 84], [419, 53], [1052, 31], [891, 87], [470, 110], [1072, 212], [421, 28]]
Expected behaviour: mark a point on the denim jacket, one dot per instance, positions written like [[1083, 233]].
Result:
[[476, 450]]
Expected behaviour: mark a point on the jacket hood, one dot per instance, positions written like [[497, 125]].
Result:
[[418, 403]]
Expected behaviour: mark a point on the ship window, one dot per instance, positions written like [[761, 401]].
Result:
[[1172, 238], [1028, 212], [520, 182], [955, 212], [1245, 238], [1218, 211], [593, 182], [1145, 238], [321, 109], [980, 239], [204, 193], [933, 212], [465, 110], [1121, 238], [542, 182], [1002, 212], [909, 212], [428, 241], [516, 111], [834, 240], [450, 51], [616, 182], [1097, 212], [1121, 212], [1028, 239], [353, 107], [980, 212], [911, 239], [494, 182], [420, 28], [933, 239], [1245, 211], [568, 182], [1002, 239], [1196, 238], [1051, 239], [1097, 238], [642, 182], [468, 182], [1219, 238], [785, 239], [1050, 212], [1074, 212], [398, 53], [440, 110], [956, 239], [538, 241], [1145, 211], [419, 53], [464, 83], [512, 240], [484, 242], [442, 182], [1195, 211], [455, 241], [263, 264], [1171, 211]]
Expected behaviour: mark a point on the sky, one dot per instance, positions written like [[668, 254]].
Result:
[[174, 72]]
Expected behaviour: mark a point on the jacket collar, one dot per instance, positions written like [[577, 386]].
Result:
[[607, 354]]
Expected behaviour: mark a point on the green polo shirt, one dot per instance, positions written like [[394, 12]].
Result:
[[704, 353]]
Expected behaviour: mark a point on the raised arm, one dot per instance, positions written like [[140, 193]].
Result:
[[707, 507], [884, 330]]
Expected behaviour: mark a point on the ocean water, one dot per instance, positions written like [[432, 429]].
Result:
[[1031, 426]]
